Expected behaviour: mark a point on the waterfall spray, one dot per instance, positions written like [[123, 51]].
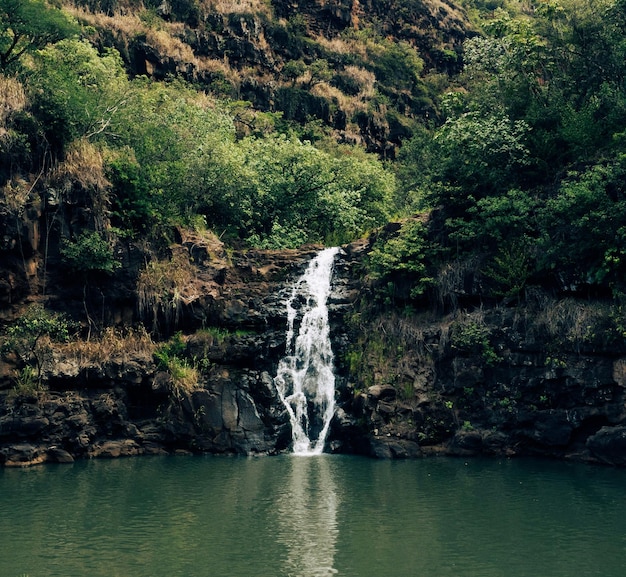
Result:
[[305, 379]]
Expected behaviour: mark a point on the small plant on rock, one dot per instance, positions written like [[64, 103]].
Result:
[[471, 335], [184, 374], [29, 342]]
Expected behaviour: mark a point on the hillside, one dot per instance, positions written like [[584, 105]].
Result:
[[166, 169], [367, 72]]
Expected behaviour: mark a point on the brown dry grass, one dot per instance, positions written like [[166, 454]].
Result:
[[112, 344], [450, 279], [162, 287], [238, 6], [164, 37], [218, 65], [447, 12], [127, 23], [12, 99], [365, 78], [343, 46], [349, 104], [573, 322], [167, 44], [83, 164], [82, 173], [333, 94], [16, 193]]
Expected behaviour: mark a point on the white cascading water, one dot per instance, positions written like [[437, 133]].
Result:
[[305, 379]]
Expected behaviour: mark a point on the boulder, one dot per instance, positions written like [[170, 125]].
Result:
[[116, 448], [23, 455], [381, 393], [59, 455], [609, 445], [466, 443], [393, 448]]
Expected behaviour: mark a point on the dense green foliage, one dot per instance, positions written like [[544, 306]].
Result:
[[526, 169], [75, 92], [90, 252], [27, 25], [518, 159], [400, 258], [300, 193], [172, 157]]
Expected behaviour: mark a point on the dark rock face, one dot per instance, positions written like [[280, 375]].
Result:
[[464, 399], [431, 391], [19, 242], [608, 445], [236, 411], [127, 406]]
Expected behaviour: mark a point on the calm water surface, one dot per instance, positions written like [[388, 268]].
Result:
[[312, 517]]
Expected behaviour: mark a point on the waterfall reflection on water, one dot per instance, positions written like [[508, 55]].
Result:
[[305, 380], [307, 518]]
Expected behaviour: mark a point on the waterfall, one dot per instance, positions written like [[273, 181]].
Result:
[[305, 380]]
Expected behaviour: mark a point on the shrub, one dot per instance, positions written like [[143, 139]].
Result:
[[89, 252], [184, 375], [29, 340], [470, 335], [403, 253]]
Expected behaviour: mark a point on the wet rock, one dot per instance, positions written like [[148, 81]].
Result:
[[23, 455], [609, 445], [549, 428], [393, 448], [116, 448], [465, 443], [59, 455], [381, 393], [496, 443]]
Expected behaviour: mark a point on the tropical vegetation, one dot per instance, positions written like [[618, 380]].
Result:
[[512, 149]]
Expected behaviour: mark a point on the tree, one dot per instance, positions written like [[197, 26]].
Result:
[[402, 255], [396, 64], [293, 69], [76, 91], [176, 157], [29, 340], [362, 197], [300, 193], [318, 71], [475, 156], [89, 252], [29, 25], [288, 179], [495, 221], [584, 227]]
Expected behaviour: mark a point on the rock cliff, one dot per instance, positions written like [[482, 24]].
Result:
[[444, 387], [119, 401], [542, 379]]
